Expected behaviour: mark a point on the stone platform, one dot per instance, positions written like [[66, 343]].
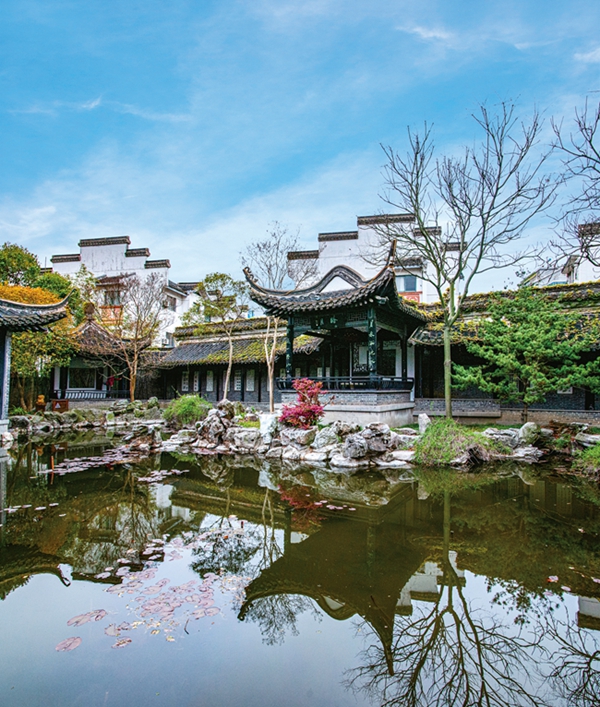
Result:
[[393, 407]]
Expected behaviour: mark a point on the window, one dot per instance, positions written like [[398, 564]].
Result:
[[363, 355], [196, 383], [410, 283], [250, 381], [82, 378], [169, 340], [112, 298], [185, 381], [170, 303], [237, 380], [210, 382], [250, 313]]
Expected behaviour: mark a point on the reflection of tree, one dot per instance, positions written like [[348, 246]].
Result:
[[450, 654], [575, 672], [277, 614]]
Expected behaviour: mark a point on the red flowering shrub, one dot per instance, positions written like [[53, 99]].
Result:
[[307, 409]]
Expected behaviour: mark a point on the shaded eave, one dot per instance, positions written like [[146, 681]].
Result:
[[21, 316]]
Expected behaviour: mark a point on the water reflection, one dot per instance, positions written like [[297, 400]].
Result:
[[459, 586]]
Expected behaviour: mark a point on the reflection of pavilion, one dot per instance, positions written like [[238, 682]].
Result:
[[424, 584], [348, 568]]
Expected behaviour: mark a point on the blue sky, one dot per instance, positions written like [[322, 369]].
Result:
[[190, 126]]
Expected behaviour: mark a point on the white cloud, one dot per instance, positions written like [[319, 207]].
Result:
[[429, 34], [592, 57]]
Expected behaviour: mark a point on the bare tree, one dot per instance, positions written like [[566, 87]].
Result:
[[268, 260], [130, 312], [223, 301], [580, 149], [484, 198]]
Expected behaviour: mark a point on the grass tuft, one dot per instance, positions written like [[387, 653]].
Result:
[[186, 410], [445, 440]]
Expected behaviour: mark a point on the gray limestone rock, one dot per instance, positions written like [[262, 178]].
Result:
[[377, 436], [355, 447], [274, 453], [291, 454], [339, 461], [587, 440], [324, 438], [315, 457], [529, 433], [297, 437], [404, 441], [508, 437], [527, 454], [343, 429], [424, 422], [405, 455], [246, 438], [407, 431]]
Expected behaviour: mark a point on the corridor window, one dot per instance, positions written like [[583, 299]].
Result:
[[410, 283], [210, 382], [185, 381], [250, 381]]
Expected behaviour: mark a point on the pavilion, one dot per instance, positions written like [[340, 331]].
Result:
[[365, 325], [17, 317]]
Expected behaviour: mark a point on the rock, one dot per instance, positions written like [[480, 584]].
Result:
[[527, 454], [274, 453], [407, 431], [343, 429], [529, 433], [212, 428], [266, 480], [268, 426], [508, 437], [119, 406], [110, 418], [324, 438], [586, 440], [377, 436], [226, 409], [339, 461], [404, 441], [355, 447], [315, 457], [19, 422], [296, 436], [247, 439], [153, 403], [424, 422], [391, 463], [6, 439], [422, 493], [405, 455], [291, 454], [546, 432], [252, 417], [155, 438]]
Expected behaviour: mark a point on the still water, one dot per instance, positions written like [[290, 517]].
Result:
[[177, 582]]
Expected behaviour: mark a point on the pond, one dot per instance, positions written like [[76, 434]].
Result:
[[220, 582]]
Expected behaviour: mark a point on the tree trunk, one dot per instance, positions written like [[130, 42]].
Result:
[[132, 382], [524, 413], [447, 372], [271, 370], [229, 366], [21, 393]]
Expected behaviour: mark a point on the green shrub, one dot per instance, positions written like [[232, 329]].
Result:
[[588, 461], [18, 411], [186, 410], [445, 440], [249, 423]]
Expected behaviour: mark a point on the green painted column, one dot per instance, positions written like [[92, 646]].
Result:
[[372, 341], [289, 349], [5, 346]]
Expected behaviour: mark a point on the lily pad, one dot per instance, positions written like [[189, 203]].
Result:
[[69, 644]]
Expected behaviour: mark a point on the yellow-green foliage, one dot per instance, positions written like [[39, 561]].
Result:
[[588, 461]]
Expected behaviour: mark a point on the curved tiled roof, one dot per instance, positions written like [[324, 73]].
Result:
[[313, 299], [249, 349], [18, 316]]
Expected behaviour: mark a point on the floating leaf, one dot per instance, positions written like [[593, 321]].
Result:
[[69, 644], [170, 638], [121, 643], [112, 630], [213, 611], [78, 620], [553, 578]]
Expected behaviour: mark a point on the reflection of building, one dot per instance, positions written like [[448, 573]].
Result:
[[424, 585], [588, 615]]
